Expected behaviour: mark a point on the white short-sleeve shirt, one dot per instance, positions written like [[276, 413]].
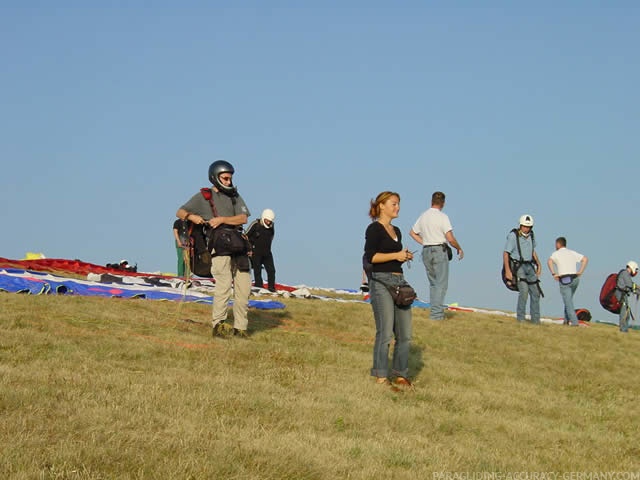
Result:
[[432, 226], [565, 261]]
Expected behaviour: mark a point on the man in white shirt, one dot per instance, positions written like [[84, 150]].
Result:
[[434, 232], [562, 265]]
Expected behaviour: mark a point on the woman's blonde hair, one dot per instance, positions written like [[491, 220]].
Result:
[[374, 207]]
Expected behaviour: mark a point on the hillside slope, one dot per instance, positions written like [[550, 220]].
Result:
[[108, 388]]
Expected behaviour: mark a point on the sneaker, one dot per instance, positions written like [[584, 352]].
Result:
[[240, 333], [219, 330]]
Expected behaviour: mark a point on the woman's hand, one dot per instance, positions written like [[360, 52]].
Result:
[[404, 255]]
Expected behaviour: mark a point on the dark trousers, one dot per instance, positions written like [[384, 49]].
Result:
[[267, 260]]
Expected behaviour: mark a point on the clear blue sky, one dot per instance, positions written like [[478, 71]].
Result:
[[110, 116]]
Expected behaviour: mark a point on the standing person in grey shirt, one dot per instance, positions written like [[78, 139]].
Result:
[[231, 211], [434, 232], [625, 287]]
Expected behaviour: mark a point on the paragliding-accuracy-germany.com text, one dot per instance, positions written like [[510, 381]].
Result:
[[536, 476]]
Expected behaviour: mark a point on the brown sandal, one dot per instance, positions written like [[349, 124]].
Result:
[[402, 382]]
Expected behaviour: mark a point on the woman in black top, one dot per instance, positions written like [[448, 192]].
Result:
[[383, 249]]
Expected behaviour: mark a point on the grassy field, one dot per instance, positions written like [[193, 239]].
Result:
[[134, 389]]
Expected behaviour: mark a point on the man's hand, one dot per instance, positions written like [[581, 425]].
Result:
[[197, 219], [215, 222]]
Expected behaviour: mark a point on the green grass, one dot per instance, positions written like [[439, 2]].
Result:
[[131, 389]]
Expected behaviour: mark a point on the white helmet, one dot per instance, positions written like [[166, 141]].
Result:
[[526, 220], [267, 214], [633, 266]]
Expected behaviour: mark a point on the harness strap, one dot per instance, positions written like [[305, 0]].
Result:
[[518, 263], [208, 195]]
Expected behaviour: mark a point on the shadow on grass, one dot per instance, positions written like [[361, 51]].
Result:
[[259, 320], [416, 359], [263, 320]]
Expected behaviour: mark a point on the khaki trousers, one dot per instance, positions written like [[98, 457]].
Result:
[[226, 273]]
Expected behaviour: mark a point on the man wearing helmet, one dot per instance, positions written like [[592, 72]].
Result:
[[562, 265], [260, 234], [624, 287], [520, 251], [230, 211]]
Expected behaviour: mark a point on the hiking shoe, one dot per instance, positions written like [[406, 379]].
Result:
[[240, 333], [219, 330]]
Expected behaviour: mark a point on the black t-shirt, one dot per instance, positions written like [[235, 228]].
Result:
[[183, 230], [377, 240]]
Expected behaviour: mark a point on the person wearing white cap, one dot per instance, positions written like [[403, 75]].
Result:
[[260, 234], [520, 252], [624, 287]]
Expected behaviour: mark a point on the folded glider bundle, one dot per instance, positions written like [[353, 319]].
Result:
[[608, 299], [583, 314]]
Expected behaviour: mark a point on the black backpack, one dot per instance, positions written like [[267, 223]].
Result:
[[199, 251], [366, 266]]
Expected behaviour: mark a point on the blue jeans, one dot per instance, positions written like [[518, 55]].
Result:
[[391, 321], [625, 314], [437, 264], [567, 292], [527, 272]]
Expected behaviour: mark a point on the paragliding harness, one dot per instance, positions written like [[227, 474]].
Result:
[[608, 298], [124, 266], [515, 266], [583, 314], [199, 253], [225, 240]]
